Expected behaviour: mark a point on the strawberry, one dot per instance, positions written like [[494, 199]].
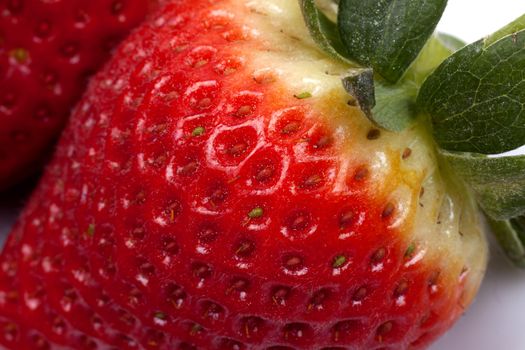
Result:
[[47, 51], [219, 188]]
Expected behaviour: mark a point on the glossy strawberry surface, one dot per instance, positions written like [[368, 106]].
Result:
[[48, 49], [215, 190]]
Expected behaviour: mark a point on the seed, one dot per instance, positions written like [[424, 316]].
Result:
[[323, 142], [256, 213], [280, 295], [388, 211], [293, 263], [212, 311], [117, 7], [346, 219], [20, 55], [204, 103], [379, 255], [339, 261], [230, 344], [401, 288], [290, 128], [384, 329], [69, 50], [312, 181], [410, 251], [208, 234], [237, 149], [218, 194], [160, 315], [198, 131], [318, 299], [252, 325], [303, 95], [196, 329], [245, 249], [239, 285], [352, 103], [373, 134], [243, 111], [200, 63], [299, 221], [360, 294], [433, 278], [189, 168], [407, 153], [264, 174], [43, 29], [201, 271], [91, 230], [361, 174], [264, 77], [295, 331]]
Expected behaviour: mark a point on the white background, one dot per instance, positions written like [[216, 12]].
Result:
[[496, 321]]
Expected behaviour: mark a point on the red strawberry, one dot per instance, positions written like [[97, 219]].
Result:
[[47, 50], [215, 190]]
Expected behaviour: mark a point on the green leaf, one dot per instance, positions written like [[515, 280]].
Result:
[[387, 35], [395, 108], [390, 107], [510, 235], [511, 28], [324, 32], [476, 98], [359, 83], [498, 183], [451, 42], [437, 49], [328, 8]]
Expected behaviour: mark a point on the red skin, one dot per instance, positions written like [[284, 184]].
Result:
[[63, 43], [82, 265]]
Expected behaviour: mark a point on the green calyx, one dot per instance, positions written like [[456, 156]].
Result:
[[475, 101], [387, 35], [510, 235], [476, 98], [498, 183], [472, 97], [388, 44]]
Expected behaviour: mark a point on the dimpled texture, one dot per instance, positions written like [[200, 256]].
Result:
[[48, 49], [197, 201]]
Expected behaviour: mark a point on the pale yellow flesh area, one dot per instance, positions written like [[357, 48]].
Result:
[[444, 222]]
